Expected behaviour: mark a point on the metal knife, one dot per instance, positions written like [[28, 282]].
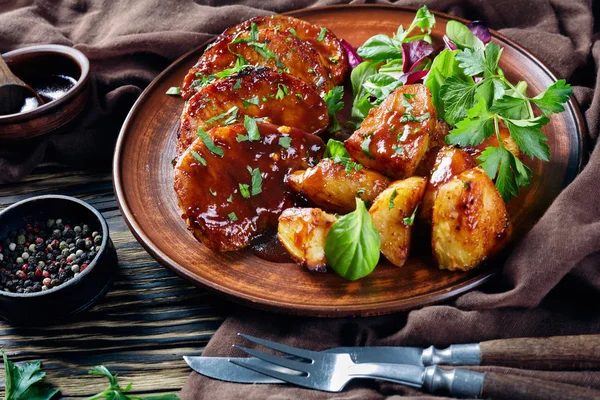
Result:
[[552, 353]]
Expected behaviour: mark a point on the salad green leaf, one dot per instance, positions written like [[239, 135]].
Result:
[[353, 244], [462, 37]]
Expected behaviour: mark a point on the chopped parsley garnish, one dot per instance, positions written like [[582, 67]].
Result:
[[292, 31], [230, 115], [198, 157], [365, 146], [322, 34], [253, 32], [360, 191], [334, 60], [336, 151], [253, 100], [208, 142], [277, 28], [411, 220], [398, 149], [282, 90], [230, 198], [392, 198], [334, 102], [285, 141], [237, 84], [408, 117], [256, 181], [212, 192], [252, 130], [244, 190], [299, 95], [232, 217], [174, 91]]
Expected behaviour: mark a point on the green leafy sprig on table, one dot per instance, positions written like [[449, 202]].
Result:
[[471, 93], [25, 382], [373, 80]]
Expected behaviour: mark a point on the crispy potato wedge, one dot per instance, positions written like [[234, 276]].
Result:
[[389, 217], [394, 137], [330, 186], [280, 51], [254, 91], [230, 192], [449, 163], [470, 222], [329, 47], [303, 232], [436, 142]]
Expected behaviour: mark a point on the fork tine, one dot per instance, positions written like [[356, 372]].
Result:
[[277, 360], [299, 380], [294, 351]]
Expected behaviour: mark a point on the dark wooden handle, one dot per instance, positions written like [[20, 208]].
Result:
[[511, 387], [552, 353]]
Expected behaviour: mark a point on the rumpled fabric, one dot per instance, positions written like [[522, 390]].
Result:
[[549, 285]]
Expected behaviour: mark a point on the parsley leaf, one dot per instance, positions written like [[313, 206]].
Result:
[[232, 217], [529, 137], [334, 102], [509, 171], [511, 107], [322, 34], [208, 142], [231, 115], [471, 61], [253, 100], [392, 198], [474, 129], [411, 220], [116, 392], [256, 185], [24, 382], [198, 157], [285, 141], [550, 100], [458, 96], [244, 190], [336, 151], [173, 91], [282, 90]]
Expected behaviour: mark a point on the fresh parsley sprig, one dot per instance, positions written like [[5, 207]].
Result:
[[115, 391], [472, 94], [335, 103]]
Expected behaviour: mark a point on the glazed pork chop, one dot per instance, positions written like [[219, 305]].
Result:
[[258, 92], [230, 181], [326, 43], [280, 51]]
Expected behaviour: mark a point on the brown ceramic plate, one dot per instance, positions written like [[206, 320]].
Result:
[[143, 178]]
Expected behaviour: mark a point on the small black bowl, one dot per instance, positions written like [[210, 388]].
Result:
[[75, 295]]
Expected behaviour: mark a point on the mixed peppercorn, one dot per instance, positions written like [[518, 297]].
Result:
[[45, 254]]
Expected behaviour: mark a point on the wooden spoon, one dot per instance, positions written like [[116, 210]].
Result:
[[13, 91]]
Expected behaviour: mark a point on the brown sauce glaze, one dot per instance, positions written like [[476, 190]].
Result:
[[269, 248], [222, 214]]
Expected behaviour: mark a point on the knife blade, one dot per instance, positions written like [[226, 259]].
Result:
[[220, 367]]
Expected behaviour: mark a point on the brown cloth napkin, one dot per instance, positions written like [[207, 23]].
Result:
[[549, 286]]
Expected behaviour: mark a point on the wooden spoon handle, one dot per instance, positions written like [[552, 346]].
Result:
[[551, 353], [510, 387]]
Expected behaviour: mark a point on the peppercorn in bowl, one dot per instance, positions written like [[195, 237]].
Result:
[[56, 259]]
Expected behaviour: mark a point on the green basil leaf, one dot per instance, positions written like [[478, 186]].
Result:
[[353, 244], [359, 75], [380, 47]]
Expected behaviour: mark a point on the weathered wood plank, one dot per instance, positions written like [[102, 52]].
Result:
[[141, 330]]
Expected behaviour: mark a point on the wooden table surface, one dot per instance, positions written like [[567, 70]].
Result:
[[148, 320]]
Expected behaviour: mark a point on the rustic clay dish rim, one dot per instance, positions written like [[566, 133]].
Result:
[[82, 275], [67, 52], [324, 310]]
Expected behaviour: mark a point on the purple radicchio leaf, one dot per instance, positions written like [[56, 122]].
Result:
[[480, 30], [413, 77], [413, 53], [449, 43], [353, 58]]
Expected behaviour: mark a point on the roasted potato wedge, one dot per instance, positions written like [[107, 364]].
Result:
[[326, 43], [470, 222], [303, 232], [231, 191], [394, 137], [391, 217], [449, 163], [436, 142], [331, 186], [280, 51], [258, 92]]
